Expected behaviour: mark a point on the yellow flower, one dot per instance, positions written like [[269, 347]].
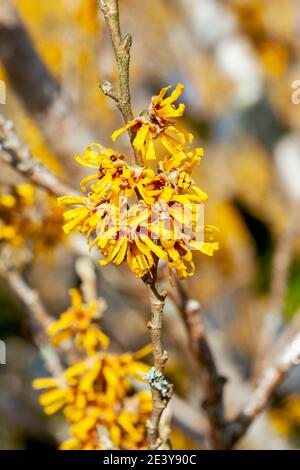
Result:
[[98, 393], [158, 123], [160, 225], [28, 219], [113, 175], [56, 397], [78, 321], [15, 223], [7, 200], [144, 233], [126, 428], [27, 192], [141, 215], [178, 158], [163, 108]]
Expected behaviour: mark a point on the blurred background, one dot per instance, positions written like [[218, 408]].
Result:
[[238, 60]]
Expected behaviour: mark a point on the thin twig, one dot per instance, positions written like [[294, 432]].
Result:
[[270, 379], [38, 313], [121, 45], [20, 158], [213, 382], [283, 257], [161, 391], [110, 10], [85, 269], [226, 433]]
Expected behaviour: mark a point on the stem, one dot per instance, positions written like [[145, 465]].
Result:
[[110, 9], [121, 45], [159, 401]]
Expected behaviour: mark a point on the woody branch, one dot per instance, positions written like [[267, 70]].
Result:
[[213, 382], [282, 260], [161, 391], [19, 157], [121, 45], [37, 314], [270, 379], [110, 9], [226, 433]]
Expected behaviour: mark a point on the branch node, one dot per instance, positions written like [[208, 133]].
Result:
[[109, 90], [127, 42]]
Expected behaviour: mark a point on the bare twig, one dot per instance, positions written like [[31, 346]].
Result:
[[213, 382], [280, 273], [121, 45], [19, 157], [29, 298], [270, 379], [161, 390], [85, 269], [226, 433], [283, 257], [38, 313]]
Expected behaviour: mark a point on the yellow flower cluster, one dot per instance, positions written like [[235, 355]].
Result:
[[95, 393], [14, 202], [29, 218], [79, 322], [137, 214], [158, 123]]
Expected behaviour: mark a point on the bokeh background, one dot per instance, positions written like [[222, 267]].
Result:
[[238, 60]]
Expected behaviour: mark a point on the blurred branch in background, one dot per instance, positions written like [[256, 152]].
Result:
[[226, 433], [283, 257], [40, 93], [213, 383], [19, 157], [36, 313], [267, 384], [184, 417]]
